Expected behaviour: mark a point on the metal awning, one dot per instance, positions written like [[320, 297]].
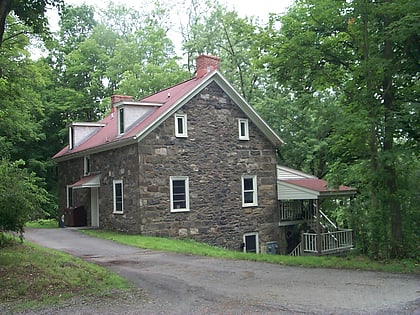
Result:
[[89, 181]]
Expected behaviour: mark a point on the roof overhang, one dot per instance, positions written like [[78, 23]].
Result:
[[297, 191], [90, 181]]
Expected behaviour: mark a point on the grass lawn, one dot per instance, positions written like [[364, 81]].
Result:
[[32, 276], [195, 248], [43, 224]]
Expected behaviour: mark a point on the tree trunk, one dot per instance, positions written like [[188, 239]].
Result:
[[373, 142], [390, 173], [4, 12]]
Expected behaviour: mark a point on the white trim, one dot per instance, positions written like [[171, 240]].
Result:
[[257, 242], [71, 137], [68, 205], [114, 182], [137, 103], [87, 124], [254, 191], [120, 121], [183, 118], [187, 193], [244, 122]]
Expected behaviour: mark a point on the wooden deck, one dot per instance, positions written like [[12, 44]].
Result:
[[330, 239]]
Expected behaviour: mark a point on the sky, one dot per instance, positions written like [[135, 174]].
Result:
[[245, 8], [260, 8]]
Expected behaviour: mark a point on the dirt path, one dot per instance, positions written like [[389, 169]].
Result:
[[185, 284]]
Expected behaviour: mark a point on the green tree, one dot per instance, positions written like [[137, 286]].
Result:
[[364, 53], [31, 13], [213, 29], [21, 197]]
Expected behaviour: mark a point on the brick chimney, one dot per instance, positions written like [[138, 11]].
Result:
[[118, 98], [205, 64]]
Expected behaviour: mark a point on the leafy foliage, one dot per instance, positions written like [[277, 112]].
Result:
[[338, 81], [351, 51], [21, 198]]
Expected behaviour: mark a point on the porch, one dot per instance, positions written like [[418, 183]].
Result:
[[300, 197], [319, 235], [324, 244]]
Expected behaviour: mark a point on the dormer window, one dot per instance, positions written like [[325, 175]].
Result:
[[86, 165], [71, 138], [243, 129], [121, 121], [181, 126]]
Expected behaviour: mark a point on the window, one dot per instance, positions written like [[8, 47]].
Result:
[[179, 190], [118, 196], [71, 138], [249, 191], [69, 196], [121, 121], [86, 165], [251, 244], [243, 129], [181, 126]]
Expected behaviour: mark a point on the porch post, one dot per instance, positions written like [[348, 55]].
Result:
[[318, 227]]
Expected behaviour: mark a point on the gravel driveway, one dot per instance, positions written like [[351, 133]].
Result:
[[186, 284]]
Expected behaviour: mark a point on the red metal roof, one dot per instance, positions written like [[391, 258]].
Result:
[[108, 134], [318, 185]]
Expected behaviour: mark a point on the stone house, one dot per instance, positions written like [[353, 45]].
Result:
[[192, 161]]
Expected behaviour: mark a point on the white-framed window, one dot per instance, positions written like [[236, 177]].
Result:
[[69, 192], [121, 121], [181, 125], [249, 191], [243, 129], [71, 138], [179, 190], [86, 165], [118, 196], [251, 243]]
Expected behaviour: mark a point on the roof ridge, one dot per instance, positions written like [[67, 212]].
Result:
[[167, 88]]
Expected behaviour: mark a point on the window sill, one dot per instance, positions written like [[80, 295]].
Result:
[[115, 212], [250, 205], [179, 210]]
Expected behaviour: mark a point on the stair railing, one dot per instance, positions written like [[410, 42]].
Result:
[[297, 251]]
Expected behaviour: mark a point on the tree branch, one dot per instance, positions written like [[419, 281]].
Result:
[[15, 35]]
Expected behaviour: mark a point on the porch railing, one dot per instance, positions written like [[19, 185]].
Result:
[[330, 242], [293, 211]]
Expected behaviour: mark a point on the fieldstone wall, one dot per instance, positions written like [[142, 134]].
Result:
[[118, 164], [214, 159], [70, 172]]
